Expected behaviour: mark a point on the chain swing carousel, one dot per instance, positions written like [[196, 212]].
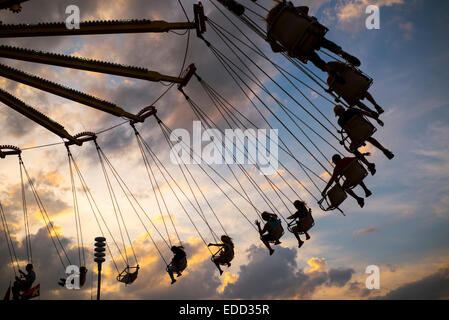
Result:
[[307, 130]]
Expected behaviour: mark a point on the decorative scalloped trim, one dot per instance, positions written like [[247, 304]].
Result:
[[40, 114], [9, 147], [85, 134], [72, 58], [85, 23], [144, 110], [59, 85]]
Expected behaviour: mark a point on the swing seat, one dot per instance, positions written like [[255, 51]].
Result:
[[128, 277], [182, 265], [223, 257], [354, 174], [355, 87], [276, 233], [299, 34], [304, 224], [179, 267], [334, 198], [357, 129], [31, 293], [83, 274]]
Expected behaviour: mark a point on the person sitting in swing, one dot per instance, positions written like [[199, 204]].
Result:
[[345, 115], [340, 165], [25, 281], [301, 214], [226, 253], [336, 70], [272, 230], [82, 275], [178, 263], [127, 277], [291, 29]]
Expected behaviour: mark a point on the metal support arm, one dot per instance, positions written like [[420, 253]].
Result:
[[91, 28], [35, 115], [54, 88], [84, 64]]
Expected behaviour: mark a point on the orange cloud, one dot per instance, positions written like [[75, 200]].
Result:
[[354, 9], [316, 264], [52, 178], [229, 278], [366, 230]]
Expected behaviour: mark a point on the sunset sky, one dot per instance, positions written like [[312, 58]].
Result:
[[403, 227]]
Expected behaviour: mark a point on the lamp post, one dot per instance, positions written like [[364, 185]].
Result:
[[99, 259]]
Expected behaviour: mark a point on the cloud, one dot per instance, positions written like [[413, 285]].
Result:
[[350, 15], [359, 289], [45, 186], [278, 276], [406, 26], [317, 264], [432, 287], [339, 277], [354, 9], [408, 29], [365, 231], [392, 267], [432, 159]]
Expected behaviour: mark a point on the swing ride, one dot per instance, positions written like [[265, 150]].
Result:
[[276, 101]]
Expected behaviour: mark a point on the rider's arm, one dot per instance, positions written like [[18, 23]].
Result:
[[293, 216], [215, 245], [265, 228], [261, 231], [367, 114], [331, 181], [373, 115]]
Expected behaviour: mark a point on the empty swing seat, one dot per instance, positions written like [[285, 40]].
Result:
[[355, 87], [354, 174], [299, 34], [358, 129]]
